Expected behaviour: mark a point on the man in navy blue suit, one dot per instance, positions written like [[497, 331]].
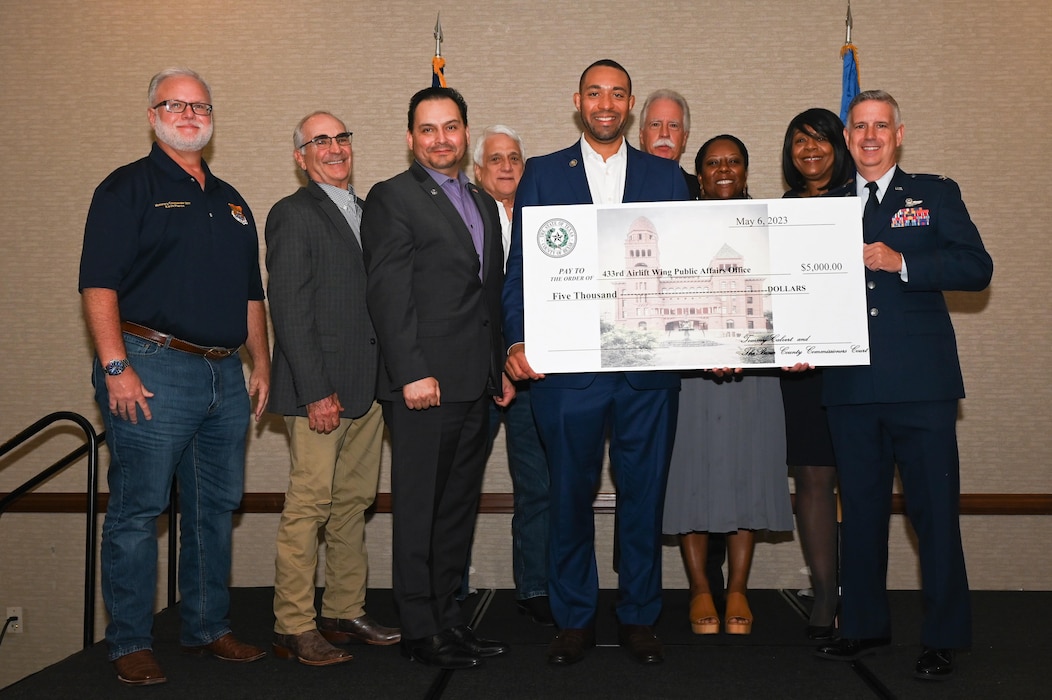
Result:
[[575, 412], [902, 408]]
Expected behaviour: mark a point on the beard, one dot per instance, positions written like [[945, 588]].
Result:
[[604, 133], [170, 135]]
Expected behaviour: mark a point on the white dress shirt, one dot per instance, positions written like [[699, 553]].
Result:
[[606, 178]]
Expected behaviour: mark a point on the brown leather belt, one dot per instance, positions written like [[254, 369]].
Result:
[[174, 343]]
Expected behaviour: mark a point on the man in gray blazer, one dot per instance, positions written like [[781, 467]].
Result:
[[324, 379]]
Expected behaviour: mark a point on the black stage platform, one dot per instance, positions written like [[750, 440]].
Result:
[[1010, 657]]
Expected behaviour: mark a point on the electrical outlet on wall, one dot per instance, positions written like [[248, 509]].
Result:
[[18, 625]]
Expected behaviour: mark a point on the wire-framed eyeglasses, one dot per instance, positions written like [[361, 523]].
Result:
[[324, 140]]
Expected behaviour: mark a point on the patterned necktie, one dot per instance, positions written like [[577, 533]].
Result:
[[356, 206], [356, 216]]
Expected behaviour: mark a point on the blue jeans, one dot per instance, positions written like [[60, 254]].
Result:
[[200, 418]]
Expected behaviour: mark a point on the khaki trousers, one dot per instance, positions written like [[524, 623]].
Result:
[[332, 482]]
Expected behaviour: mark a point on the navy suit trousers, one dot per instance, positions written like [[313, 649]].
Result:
[[573, 425], [869, 440]]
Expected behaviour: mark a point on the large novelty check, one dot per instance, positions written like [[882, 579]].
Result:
[[694, 285]]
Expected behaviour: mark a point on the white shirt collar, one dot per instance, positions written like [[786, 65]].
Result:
[[882, 184], [606, 178]]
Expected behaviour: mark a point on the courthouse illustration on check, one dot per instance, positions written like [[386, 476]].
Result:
[[689, 285], [724, 302]]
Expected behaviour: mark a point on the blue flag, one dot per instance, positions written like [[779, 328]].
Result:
[[850, 80]]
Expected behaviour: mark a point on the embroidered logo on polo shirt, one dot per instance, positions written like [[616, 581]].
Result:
[[172, 205], [237, 212]]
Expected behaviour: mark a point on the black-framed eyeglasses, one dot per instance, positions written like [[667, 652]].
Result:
[[178, 107], [324, 140]]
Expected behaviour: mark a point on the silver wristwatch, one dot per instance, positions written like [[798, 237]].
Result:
[[115, 367]]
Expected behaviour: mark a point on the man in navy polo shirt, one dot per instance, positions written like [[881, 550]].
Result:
[[171, 288]]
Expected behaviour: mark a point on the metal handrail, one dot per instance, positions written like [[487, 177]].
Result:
[[92, 450]]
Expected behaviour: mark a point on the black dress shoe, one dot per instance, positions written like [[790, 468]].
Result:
[[934, 665], [439, 650], [850, 649], [537, 609], [642, 643], [465, 637], [821, 633], [569, 646]]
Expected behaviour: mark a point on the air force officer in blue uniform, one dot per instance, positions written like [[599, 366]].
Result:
[[902, 408], [574, 412]]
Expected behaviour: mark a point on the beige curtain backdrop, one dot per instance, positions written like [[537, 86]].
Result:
[[970, 76]]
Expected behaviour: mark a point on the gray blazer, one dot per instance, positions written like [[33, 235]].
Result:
[[323, 339]]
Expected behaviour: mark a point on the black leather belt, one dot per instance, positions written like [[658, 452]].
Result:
[[168, 341]]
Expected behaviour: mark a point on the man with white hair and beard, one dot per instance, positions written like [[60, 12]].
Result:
[[171, 289]]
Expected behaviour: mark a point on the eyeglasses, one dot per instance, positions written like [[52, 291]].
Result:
[[178, 107], [323, 141]]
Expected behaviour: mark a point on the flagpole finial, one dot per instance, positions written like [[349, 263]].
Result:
[[438, 35], [847, 24]]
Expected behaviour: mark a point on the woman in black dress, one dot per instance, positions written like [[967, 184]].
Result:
[[815, 160]]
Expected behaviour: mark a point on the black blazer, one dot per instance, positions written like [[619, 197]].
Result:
[[433, 316], [323, 339]]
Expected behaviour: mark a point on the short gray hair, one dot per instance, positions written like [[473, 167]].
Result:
[[665, 94], [876, 96], [297, 134], [155, 82], [480, 143]]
